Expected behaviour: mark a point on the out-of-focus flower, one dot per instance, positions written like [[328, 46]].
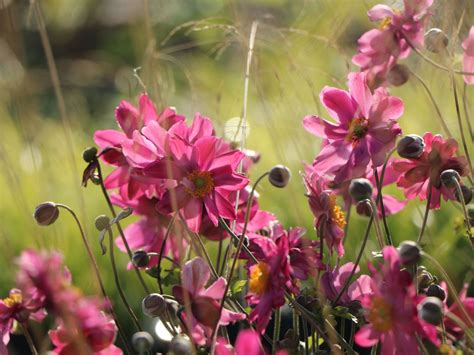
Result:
[[380, 49], [468, 302], [365, 130], [247, 343], [204, 303], [391, 310], [418, 175], [468, 59]]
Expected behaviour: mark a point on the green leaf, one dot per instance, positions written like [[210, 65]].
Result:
[[237, 286]]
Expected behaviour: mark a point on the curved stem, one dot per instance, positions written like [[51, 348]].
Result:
[[427, 211], [467, 221], [359, 256], [162, 251], [117, 281], [97, 274], [119, 227], [379, 183], [276, 329]]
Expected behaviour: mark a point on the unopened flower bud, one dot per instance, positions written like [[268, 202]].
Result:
[[409, 252], [245, 242], [102, 222], [449, 177], [423, 278], [436, 291], [436, 40], [431, 310], [154, 305], [142, 342], [398, 75], [363, 209], [46, 213], [180, 345], [140, 258], [410, 146], [279, 176], [466, 194], [360, 189], [89, 154]]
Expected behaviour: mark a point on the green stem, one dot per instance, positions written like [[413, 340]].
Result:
[[427, 211], [379, 183], [276, 330], [29, 339], [463, 205]]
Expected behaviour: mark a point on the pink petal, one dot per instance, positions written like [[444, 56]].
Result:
[[204, 151], [165, 169], [339, 104], [361, 93], [367, 336], [193, 214], [147, 109], [194, 275], [380, 12], [108, 138], [248, 343], [217, 289], [127, 117], [468, 61]]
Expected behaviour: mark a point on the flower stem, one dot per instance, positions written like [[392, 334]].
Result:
[[29, 339], [359, 256], [463, 205], [119, 227], [162, 251], [379, 183], [97, 273], [427, 211], [276, 329], [117, 281]]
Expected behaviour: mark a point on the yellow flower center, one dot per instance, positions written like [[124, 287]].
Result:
[[259, 278], [357, 129], [380, 315], [337, 215], [385, 23], [13, 299], [202, 183]]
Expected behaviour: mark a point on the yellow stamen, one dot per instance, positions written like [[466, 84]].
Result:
[[385, 23], [337, 215], [259, 278], [380, 315], [202, 183], [13, 299], [357, 129]]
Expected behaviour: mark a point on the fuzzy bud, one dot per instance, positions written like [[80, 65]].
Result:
[[181, 345], [409, 252], [279, 176], [436, 40], [142, 342], [423, 278], [102, 222], [154, 305], [436, 291], [466, 194], [398, 75], [89, 154], [360, 189], [140, 258], [363, 208], [410, 146], [46, 213], [431, 310], [449, 177]]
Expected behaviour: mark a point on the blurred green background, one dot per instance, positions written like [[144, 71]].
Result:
[[191, 54]]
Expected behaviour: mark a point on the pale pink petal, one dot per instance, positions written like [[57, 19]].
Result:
[[367, 336], [217, 289], [468, 61], [248, 343], [194, 275], [147, 109], [380, 12], [361, 93]]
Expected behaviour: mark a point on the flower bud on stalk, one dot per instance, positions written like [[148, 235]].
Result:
[[89, 154], [409, 252], [360, 189], [398, 75], [180, 345], [142, 342], [448, 178], [423, 278], [140, 258], [436, 40], [410, 146], [279, 176], [436, 291], [154, 305], [46, 213], [431, 310], [102, 222]]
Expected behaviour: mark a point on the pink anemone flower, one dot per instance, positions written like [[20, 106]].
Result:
[[365, 130], [422, 174], [468, 302], [468, 59], [204, 303], [247, 343], [391, 310], [205, 177], [380, 49]]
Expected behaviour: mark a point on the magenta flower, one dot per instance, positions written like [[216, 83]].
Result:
[[365, 130], [333, 280], [90, 330], [247, 343], [204, 303], [205, 177], [268, 280], [329, 219], [468, 59], [419, 174], [391, 310], [18, 306], [468, 302], [380, 49]]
